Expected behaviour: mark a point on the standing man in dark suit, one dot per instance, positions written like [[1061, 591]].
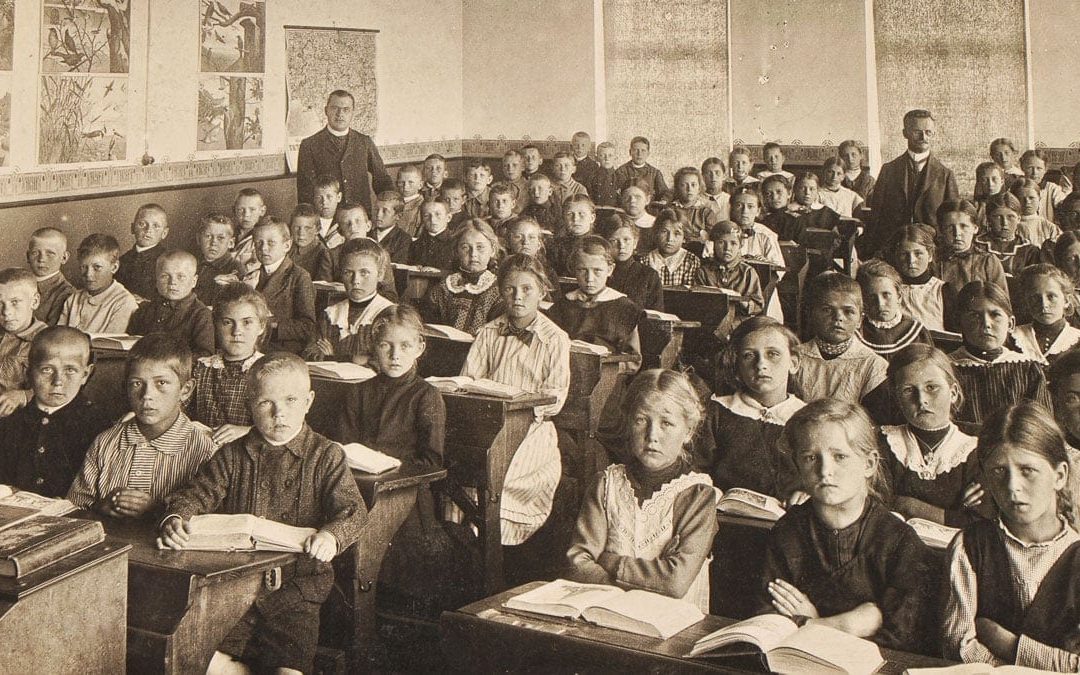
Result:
[[342, 152], [910, 188]]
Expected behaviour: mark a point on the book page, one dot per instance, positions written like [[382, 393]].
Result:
[[584, 347], [563, 593], [363, 458], [450, 333], [345, 370], [765, 632], [210, 524], [933, 534], [666, 615], [281, 536], [828, 645], [493, 388], [661, 316], [46, 506], [755, 500]]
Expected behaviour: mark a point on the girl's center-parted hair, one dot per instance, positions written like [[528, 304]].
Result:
[[1030, 426], [592, 244], [672, 384], [983, 290], [922, 353], [739, 336], [405, 316], [477, 225], [915, 233], [858, 429], [238, 293], [1033, 272], [529, 264]]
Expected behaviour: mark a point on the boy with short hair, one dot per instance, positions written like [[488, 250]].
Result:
[[306, 483], [131, 467], [584, 166], [326, 200], [45, 442], [532, 160], [564, 186], [477, 179], [501, 207], [453, 193], [639, 169], [740, 163], [435, 245], [773, 155], [713, 175], [136, 271], [215, 237], [176, 309], [249, 209], [46, 254], [286, 287], [434, 172], [309, 248], [18, 326], [542, 208], [855, 177], [102, 305], [391, 237], [513, 165], [603, 184], [408, 183]]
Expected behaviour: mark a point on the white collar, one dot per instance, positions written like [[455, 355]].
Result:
[[609, 293], [918, 157], [670, 262], [409, 200], [639, 166], [46, 277], [141, 249], [455, 283], [645, 220], [218, 361], [744, 406], [270, 269], [951, 453], [339, 134], [962, 357], [49, 410], [435, 234], [578, 159], [338, 314], [381, 234], [324, 225], [853, 174], [1065, 533]]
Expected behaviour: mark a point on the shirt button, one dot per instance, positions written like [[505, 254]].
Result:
[[288, 483], [41, 451], [265, 484], [39, 481], [44, 420]]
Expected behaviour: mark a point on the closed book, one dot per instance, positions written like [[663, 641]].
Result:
[[10, 516], [43, 540]]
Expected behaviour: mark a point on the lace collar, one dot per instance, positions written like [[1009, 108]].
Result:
[[962, 357], [744, 406], [218, 361], [953, 450], [455, 283]]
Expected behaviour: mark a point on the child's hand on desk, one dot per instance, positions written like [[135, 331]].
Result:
[[790, 601], [126, 503], [997, 639], [13, 399], [228, 433], [322, 546], [174, 533], [796, 498]]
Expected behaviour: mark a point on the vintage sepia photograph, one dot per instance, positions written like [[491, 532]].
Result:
[[233, 36], [82, 119], [229, 113], [85, 36]]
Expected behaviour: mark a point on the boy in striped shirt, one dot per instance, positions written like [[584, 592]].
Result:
[[131, 467]]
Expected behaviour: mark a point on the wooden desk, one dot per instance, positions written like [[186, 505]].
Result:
[[443, 357], [105, 387], [327, 293], [413, 284], [69, 617], [662, 341], [484, 637], [182, 604]]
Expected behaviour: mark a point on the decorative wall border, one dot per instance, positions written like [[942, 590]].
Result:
[[1057, 158]]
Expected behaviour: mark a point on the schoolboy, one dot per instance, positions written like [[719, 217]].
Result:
[[542, 207], [477, 181], [45, 442], [603, 183], [855, 177], [309, 249], [136, 271], [564, 186], [501, 207], [740, 162], [1034, 164], [326, 200], [453, 193], [387, 233], [435, 245], [699, 213], [355, 224], [303, 481], [513, 166], [18, 326], [434, 172], [713, 175], [532, 160], [249, 209], [639, 169], [131, 467], [408, 183], [286, 287], [45, 255], [176, 309], [584, 166], [215, 237], [727, 269], [773, 155], [102, 305]]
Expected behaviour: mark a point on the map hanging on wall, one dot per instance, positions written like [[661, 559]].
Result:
[[318, 61], [233, 36]]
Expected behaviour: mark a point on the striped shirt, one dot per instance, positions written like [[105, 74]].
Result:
[[1029, 564], [123, 457], [540, 365]]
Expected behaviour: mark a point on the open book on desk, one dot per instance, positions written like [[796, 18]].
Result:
[[750, 504], [657, 315], [448, 332], [483, 386], [934, 535], [975, 669], [417, 268], [783, 647], [329, 286], [244, 532], [583, 347], [640, 612], [362, 458], [340, 370], [46, 506], [114, 341]]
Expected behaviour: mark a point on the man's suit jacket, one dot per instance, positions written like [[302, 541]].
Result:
[[318, 156], [892, 207]]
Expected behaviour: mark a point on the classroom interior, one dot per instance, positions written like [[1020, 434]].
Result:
[[473, 78]]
